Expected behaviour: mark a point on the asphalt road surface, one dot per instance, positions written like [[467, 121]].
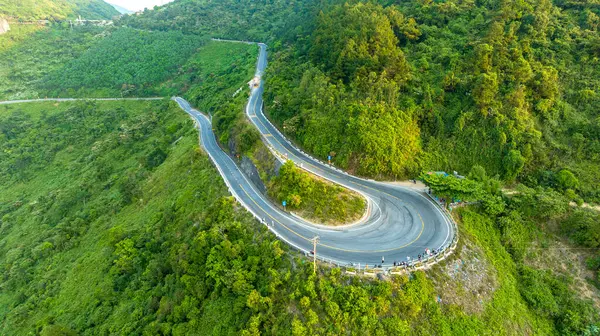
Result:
[[400, 223]]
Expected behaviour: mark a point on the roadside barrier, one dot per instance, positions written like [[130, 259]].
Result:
[[414, 263]]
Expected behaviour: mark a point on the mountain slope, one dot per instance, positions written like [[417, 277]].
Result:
[[510, 87], [122, 10], [29, 52], [507, 90], [112, 221], [56, 9], [233, 19]]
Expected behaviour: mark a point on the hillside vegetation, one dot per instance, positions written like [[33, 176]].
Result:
[[113, 221], [115, 65], [232, 19], [28, 53], [315, 199], [361, 82], [392, 89], [89, 61], [56, 9], [88, 180], [116, 197]]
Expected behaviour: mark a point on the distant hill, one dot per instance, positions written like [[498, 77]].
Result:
[[122, 10], [56, 9], [234, 19]]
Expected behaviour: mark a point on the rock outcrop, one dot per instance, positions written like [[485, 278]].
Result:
[[4, 27]]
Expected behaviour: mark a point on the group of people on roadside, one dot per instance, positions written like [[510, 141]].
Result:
[[407, 263], [420, 257]]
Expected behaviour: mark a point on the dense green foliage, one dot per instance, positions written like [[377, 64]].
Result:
[[113, 222], [233, 129], [215, 73], [134, 187], [97, 62], [28, 53], [232, 19], [348, 107], [514, 218], [512, 87], [321, 201], [539, 205], [56, 9], [128, 62], [17, 34], [550, 296], [118, 199]]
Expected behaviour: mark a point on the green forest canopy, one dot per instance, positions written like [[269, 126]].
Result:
[[116, 196], [126, 61], [28, 53], [93, 61], [445, 86]]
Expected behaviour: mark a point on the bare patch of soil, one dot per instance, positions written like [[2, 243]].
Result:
[[562, 258], [467, 281]]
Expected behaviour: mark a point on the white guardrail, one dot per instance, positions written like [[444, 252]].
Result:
[[414, 264]]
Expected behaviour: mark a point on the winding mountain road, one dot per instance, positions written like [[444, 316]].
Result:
[[401, 222]]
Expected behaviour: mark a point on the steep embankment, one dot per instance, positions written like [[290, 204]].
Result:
[[84, 185]]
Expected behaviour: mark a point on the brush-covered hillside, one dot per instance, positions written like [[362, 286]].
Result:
[[56, 9], [114, 222]]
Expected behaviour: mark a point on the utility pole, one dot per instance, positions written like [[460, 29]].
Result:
[[314, 240]]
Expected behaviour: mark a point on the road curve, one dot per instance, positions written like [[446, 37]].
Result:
[[402, 222]]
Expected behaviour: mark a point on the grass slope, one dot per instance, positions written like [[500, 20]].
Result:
[[128, 62], [56, 9], [117, 225], [211, 76], [96, 62], [28, 53], [102, 172]]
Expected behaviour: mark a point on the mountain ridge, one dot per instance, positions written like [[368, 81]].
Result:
[[121, 9]]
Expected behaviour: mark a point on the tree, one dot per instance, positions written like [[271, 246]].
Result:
[[566, 180], [298, 329], [357, 39], [57, 330], [536, 291], [478, 174], [125, 255], [155, 158], [493, 205], [484, 53], [387, 140], [485, 91], [451, 187], [513, 164]]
